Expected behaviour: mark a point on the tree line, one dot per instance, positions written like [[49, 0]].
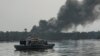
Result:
[[13, 36], [17, 36]]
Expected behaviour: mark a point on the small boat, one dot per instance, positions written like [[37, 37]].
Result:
[[33, 44]]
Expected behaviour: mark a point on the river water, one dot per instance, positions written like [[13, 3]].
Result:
[[62, 48]]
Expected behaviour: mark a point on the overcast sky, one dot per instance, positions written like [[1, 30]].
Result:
[[15, 15]]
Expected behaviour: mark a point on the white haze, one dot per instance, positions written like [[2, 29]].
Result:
[[15, 15]]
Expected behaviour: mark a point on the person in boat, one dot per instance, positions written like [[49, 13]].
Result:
[[28, 40], [32, 39]]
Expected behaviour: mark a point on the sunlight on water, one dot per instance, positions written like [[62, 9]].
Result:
[[62, 48]]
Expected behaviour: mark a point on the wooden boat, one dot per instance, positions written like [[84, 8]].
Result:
[[33, 44], [33, 47]]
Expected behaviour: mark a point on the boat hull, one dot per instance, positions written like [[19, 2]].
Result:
[[33, 47]]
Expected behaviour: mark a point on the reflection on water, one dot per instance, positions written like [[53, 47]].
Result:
[[35, 53], [79, 48], [62, 48]]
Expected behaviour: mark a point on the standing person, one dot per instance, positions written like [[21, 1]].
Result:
[[28, 40]]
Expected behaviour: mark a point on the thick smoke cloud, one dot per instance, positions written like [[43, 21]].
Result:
[[76, 12], [73, 13]]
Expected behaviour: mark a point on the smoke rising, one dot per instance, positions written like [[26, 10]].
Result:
[[74, 12]]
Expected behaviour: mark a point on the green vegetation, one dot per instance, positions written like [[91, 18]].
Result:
[[17, 36], [13, 36]]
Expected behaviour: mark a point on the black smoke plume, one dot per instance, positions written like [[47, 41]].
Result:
[[74, 12]]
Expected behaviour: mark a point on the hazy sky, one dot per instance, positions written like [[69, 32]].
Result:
[[15, 15]]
